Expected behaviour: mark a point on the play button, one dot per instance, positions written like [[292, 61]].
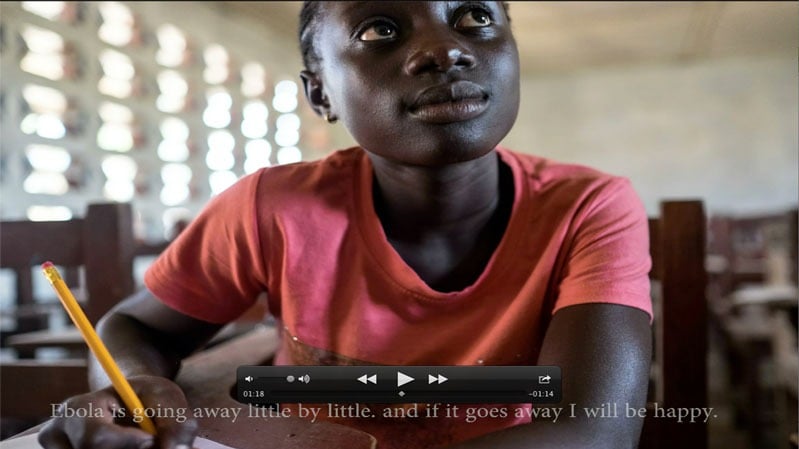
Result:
[[403, 378]]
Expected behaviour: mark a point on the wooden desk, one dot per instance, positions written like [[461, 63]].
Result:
[[70, 340], [209, 377], [771, 296]]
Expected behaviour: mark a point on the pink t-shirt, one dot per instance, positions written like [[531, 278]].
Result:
[[308, 235]]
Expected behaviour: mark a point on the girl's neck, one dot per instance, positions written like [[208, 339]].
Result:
[[412, 201]]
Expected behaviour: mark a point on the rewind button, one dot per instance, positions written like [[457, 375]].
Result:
[[367, 379]]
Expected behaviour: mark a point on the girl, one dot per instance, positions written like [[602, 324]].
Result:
[[425, 245]]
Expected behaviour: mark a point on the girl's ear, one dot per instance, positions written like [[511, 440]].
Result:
[[314, 92]]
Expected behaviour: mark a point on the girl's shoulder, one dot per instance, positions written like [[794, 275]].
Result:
[[340, 163], [543, 172], [328, 180]]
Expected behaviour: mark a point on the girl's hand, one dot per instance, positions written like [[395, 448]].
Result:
[[100, 420]]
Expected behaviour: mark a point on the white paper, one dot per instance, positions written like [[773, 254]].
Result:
[[30, 442]]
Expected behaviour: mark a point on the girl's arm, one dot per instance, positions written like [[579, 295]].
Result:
[[604, 351], [147, 337]]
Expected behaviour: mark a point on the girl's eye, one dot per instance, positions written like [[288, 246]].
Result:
[[378, 31], [475, 18]]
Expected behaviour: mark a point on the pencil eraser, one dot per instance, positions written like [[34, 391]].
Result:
[[47, 264]]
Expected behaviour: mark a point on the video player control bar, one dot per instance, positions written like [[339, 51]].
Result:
[[267, 385]]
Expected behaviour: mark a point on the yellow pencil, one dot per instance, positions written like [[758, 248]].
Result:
[[121, 385]]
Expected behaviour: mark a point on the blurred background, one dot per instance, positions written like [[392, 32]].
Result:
[[165, 104]]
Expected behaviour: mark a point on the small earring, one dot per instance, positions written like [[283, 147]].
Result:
[[329, 118]]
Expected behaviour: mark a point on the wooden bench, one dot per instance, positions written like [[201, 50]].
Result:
[[95, 254], [101, 244]]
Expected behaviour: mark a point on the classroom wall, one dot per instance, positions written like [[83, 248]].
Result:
[[722, 130], [204, 24]]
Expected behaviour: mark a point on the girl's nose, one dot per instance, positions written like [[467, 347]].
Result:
[[438, 55]]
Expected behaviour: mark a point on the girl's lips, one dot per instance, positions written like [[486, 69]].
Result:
[[448, 103], [450, 111]]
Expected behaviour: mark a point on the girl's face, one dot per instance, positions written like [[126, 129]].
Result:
[[420, 83]]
